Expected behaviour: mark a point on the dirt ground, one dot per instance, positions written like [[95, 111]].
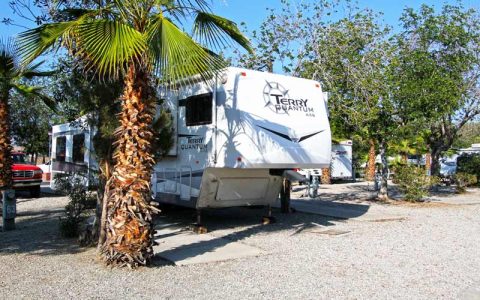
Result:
[[382, 250]]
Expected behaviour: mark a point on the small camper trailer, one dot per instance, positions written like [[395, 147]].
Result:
[[71, 150], [239, 136]]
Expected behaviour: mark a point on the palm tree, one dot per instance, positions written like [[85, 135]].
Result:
[[11, 78], [136, 39], [371, 168]]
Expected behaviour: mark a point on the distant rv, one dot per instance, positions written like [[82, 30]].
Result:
[[341, 167]]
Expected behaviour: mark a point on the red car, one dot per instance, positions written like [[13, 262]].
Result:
[[26, 176]]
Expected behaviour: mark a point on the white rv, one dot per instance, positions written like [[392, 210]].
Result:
[[341, 167], [237, 137], [71, 150]]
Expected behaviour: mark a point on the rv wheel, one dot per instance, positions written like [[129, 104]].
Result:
[[199, 229], [268, 220]]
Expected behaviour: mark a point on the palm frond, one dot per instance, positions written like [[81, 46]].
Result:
[[218, 32], [32, 70], [34, 91], [197, 5], [34, 42], [176, 55], [8, 57], [109, 45], [179, 9]]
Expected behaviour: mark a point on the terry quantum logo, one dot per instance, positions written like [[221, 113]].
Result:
[[278, 100]]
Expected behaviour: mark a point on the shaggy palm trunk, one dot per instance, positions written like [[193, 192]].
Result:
[[370, 176], [326, 176], [129, 231], [428, 163], [5, 145]]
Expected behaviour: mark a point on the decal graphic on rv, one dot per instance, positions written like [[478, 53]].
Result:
[[194, 142], [276, 98], [289, 138]]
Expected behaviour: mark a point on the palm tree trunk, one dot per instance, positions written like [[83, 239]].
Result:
[[326, 176], [428, 163], [370, 176], [129, 237], [5, 145]]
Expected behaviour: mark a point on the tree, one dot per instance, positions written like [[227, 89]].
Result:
[[133, 40], [349, 54], [11, 79], [438, 73], [30, 124], [467, 135], [351, 57]]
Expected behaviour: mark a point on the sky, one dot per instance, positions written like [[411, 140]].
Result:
[[238, 10], [253, 12]]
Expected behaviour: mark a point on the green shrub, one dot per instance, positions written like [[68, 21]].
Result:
[[414, 182], [69, 227], [463, 180], [469, 163], [73, 185]]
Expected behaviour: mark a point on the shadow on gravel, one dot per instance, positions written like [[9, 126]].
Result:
[[37, 233], [357, 192], [443, 191], [238, 223]]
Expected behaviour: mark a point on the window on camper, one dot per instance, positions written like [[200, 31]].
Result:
[[198, 110], [61, 148], [78, 152]]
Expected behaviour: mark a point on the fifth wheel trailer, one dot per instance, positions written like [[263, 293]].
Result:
[[238, 136], [235, 139]]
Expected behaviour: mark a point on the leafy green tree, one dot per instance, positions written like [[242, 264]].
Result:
[[133, 40], [11, 79], [468, 135], [437, 74], [349, 54], [30, 124]]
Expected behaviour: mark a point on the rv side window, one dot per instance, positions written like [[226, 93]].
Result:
[[198, 110], [78, 148], [61, 148]]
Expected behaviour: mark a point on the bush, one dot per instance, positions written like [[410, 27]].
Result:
[[414, 182], [73, 185], [463, 180], [469, 163]]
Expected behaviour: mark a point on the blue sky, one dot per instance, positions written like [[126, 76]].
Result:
[[253, 12]]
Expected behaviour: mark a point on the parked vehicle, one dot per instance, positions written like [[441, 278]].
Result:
[[341, 167], [72, 151], [235, 139], [238, 136], [25, 175]]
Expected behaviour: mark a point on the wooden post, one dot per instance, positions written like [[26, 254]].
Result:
[[285, 196]]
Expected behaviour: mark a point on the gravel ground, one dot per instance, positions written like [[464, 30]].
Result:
[[432, 253]]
